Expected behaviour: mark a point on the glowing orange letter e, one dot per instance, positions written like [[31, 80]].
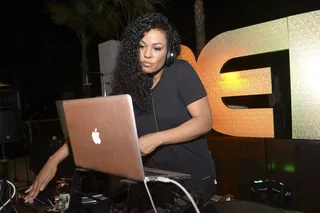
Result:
[[261, 38], [232, 44], [301, 35]]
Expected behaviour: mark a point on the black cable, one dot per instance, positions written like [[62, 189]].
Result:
[[14, 208]]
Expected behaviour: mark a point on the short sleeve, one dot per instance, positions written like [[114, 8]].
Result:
[[190, 86]]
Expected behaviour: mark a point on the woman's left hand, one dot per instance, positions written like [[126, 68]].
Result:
[[148, 143]]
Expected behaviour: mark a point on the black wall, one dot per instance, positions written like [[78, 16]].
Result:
[[293, 162]]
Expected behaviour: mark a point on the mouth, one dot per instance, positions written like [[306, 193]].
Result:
[[146, 64]]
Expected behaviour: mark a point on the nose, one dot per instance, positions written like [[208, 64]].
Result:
[[147, 53]]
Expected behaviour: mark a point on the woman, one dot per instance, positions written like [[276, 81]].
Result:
[[171, 106]]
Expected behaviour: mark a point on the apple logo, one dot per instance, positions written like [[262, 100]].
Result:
[[96, 136]]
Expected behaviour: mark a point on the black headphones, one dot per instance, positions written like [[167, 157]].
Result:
[[170, 55]]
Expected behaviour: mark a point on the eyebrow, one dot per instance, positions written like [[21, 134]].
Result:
[[153, 44]]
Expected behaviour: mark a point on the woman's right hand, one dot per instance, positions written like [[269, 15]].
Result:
[[44, 177]]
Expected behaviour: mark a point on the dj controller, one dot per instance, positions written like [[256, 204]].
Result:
[[57, 198]]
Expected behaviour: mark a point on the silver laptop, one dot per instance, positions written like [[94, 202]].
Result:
[[62, 119], [104, 138]]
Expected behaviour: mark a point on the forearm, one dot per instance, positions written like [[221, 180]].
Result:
[[187, 131], [61, 153]]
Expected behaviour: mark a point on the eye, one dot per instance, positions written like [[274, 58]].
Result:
[[157, 48], [141, 45]]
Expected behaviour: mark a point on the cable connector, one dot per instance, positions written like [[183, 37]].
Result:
[[164, 179], [151, 179]]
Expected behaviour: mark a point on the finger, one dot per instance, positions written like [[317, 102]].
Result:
[[28, 198], [31, 196], [34, 192], [29, 189]]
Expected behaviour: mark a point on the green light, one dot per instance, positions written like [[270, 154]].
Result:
[[289, 167], [272, 166]]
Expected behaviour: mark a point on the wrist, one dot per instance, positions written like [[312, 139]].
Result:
[[160, 138]]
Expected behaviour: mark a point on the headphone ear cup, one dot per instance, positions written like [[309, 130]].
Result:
[[169, 56]]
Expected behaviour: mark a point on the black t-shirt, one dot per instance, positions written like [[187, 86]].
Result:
[[178, 87]]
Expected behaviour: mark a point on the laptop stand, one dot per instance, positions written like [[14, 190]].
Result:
[[123, 202], [76, 194], [173, 207]]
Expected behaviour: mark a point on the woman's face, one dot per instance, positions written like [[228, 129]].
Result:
[[153, 49]]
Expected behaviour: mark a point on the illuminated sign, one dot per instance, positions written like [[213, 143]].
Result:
[[300, 34]]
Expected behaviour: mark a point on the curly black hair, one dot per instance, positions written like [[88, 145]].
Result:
[[128, 76]]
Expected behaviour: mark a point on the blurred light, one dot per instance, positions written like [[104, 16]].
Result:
[[232, 81], [272, 166], [289, 167]]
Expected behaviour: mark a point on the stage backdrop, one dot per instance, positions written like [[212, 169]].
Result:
[[299, 35]]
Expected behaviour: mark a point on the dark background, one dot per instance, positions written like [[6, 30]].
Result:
[[42, 60]]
